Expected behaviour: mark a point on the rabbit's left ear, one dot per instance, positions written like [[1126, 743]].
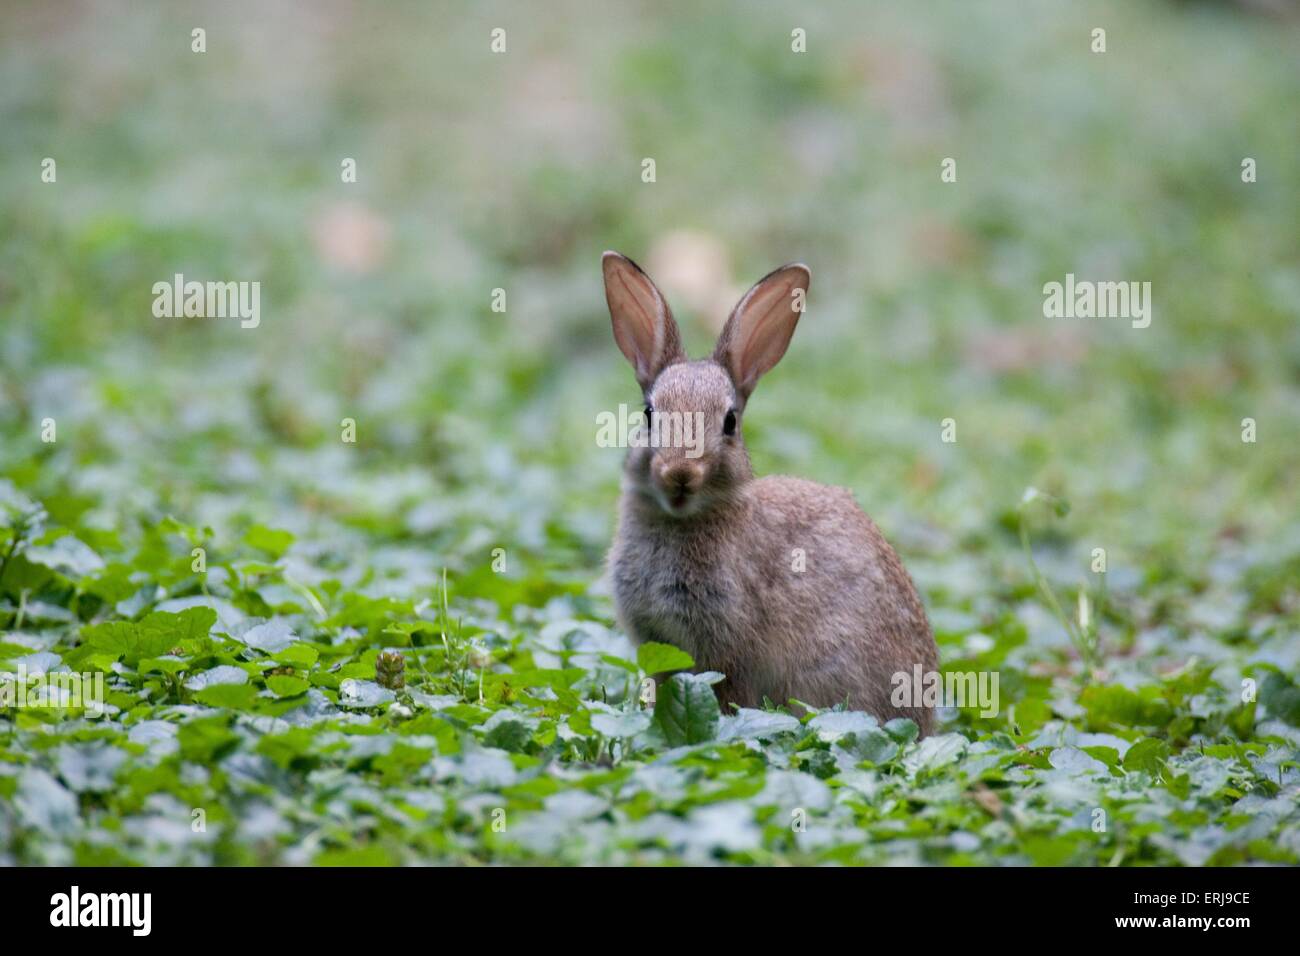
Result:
[[759, 329], [644, 327]]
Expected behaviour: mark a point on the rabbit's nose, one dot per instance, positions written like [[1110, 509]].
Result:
[[682, 477]]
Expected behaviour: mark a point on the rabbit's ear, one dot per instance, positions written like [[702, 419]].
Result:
[[643, 324], [759, 329]]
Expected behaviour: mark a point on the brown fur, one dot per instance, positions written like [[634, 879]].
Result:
[[704, 555]]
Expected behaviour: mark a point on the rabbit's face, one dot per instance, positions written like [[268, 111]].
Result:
[[693, 456]]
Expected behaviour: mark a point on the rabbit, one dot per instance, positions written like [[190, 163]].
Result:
[[782, 584]]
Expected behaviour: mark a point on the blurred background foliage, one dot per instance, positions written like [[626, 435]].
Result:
[[479, 171], [476, 429]]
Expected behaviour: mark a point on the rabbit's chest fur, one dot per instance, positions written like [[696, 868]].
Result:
[[735, 591], [791, 593], [679, 588]]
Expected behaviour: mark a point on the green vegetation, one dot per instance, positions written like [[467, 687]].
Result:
[[244, 679]]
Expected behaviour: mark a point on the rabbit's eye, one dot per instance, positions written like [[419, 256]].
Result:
[[729, 424], [648, 412]]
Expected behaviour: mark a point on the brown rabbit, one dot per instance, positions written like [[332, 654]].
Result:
[[782, 584]]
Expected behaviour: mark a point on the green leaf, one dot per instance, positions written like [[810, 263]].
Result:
[[1116, 706], [1107, 755], [89, 767], [287, 747], [833, 725], [355, 856], [165, 665], [935, 752], [301, 655], [1148, 755], [1072, 760], [67, 555], [751, 724], [273, 541], [154, 636], [1242, 720], [1281, 697], [43, 803], [184, 627], [232, 696], [206, 739], [1180, 785], [655, 658], [509, 734], [621, 663], [556, 680], [124, 641], [270, 637], [221, 674], [282, 685], [621, 724], [686, 710], [1049, 850], [902, 729], [873, 744]]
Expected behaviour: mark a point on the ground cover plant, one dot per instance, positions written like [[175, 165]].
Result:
[[341, 572]]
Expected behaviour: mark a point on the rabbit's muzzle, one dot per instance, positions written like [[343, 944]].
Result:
[[678, 482]]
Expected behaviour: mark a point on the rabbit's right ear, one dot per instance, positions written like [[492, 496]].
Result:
[[643, 324], [759, 330]]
